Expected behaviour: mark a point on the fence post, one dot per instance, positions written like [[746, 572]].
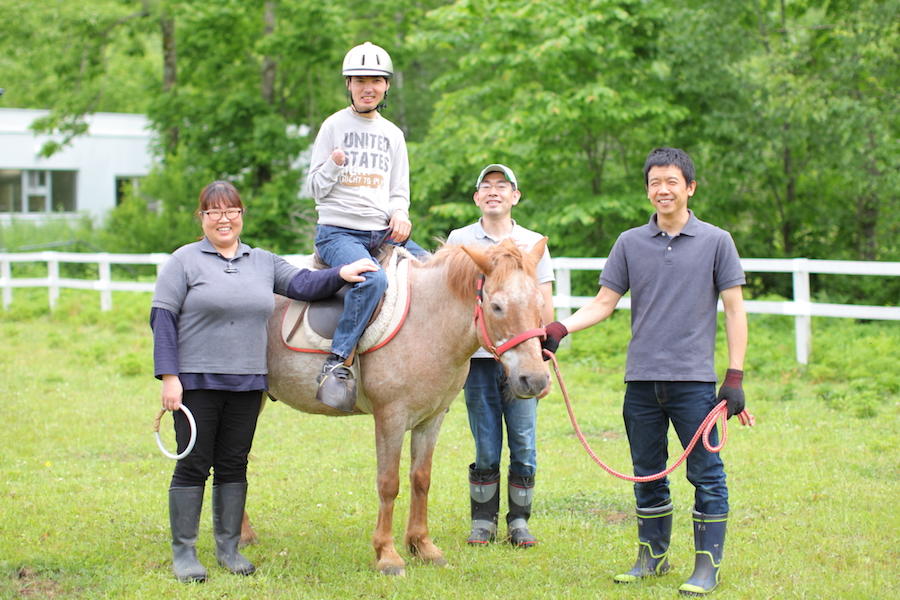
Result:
[[6, 277], [803, 320], [52, 279], [564, 292], [105, 282]]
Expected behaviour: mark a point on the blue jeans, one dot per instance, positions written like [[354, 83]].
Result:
[[489, 404], [339, 246], [649, 407]]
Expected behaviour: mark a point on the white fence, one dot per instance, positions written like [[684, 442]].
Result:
[[801, 307]]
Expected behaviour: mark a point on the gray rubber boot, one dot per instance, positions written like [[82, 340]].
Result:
[[520, 491], [654, 533], [228, 513], [185, 504], [709, 545], [485, 500]]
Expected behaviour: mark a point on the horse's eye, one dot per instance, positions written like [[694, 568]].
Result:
[[496, 307]]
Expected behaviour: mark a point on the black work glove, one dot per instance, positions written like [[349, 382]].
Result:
[[555, 331], [732, 391]]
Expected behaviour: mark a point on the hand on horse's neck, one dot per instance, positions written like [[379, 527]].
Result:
[[497, 227]]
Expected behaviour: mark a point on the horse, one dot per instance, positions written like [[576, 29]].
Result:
[[409, 383]]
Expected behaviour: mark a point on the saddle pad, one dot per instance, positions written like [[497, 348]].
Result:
[[297, 334]]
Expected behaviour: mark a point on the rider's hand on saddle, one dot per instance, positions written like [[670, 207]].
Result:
[[400, 226], [732, 391], [555, 331], [353, 271]]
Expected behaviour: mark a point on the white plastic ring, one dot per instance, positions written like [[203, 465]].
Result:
[[190, 446]]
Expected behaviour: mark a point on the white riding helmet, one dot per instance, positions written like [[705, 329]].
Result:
[[368, 59]]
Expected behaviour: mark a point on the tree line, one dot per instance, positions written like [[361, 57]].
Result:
[[787, 107]]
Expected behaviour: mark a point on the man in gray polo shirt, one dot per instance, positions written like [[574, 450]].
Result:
[[487, 401], [676, 267]]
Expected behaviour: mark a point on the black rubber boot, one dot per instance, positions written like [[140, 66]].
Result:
[[654, 533], [337, 386], [185, 504], [520, 491], [485, 499], [228, 513], [709, 545]]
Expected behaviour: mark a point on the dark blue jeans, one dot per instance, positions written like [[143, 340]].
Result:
[[490, 404], [649, 407], [226, 423]]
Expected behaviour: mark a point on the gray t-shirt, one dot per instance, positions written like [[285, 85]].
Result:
[[222, 305], [371, 185], [525, 239], [675, 285]]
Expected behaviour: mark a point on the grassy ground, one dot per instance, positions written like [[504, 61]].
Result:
[[83, 497]]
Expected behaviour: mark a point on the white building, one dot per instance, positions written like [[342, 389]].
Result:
[[86, 177]]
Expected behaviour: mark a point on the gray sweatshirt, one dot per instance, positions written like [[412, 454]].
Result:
[[373, 182]]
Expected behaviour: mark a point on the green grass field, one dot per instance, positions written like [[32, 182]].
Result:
[[84, 505]]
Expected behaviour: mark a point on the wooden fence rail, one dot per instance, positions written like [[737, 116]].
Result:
[[800, 307]]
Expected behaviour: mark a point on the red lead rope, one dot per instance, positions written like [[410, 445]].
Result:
[[719, 412]]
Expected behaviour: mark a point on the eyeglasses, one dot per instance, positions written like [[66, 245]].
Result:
[[501, 186], [216, 214]]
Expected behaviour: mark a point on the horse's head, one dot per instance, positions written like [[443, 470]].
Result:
[[511, 305]]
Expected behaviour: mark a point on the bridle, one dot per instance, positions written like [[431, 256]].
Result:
[[482, 327]]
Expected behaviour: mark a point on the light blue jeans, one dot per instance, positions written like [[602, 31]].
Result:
[[649, 408], [489, 404]]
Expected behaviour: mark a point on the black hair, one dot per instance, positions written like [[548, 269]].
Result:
[[664, 157]]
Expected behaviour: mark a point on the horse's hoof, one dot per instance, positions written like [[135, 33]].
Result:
[[434, 556], [394, 570]]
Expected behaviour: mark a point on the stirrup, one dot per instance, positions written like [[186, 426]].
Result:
[[337, 387]]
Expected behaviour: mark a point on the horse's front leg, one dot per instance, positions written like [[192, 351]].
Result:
[[422, 442], [248, 534], [389, 431]]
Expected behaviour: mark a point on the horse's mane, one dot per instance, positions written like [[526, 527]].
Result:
[[462, 272]]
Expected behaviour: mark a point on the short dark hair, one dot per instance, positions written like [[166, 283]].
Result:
[[664, 157], [219, 193]]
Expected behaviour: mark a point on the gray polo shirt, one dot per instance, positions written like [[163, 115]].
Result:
[[675, 285], [222, 305], [525, 239]]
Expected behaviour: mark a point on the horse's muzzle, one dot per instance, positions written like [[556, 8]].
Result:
[[530, 385]]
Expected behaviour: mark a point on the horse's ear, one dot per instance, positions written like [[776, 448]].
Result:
[[537, 251], [479, 257]]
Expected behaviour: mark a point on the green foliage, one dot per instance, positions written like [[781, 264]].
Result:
[[63, 235], [555, 90], [785, 107]]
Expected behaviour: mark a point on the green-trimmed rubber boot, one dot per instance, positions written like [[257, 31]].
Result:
[[228, 513], [709, 545], [185, 504], [654, 533], [485, 500]]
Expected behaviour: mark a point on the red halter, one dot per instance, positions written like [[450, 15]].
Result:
[[482, 328]]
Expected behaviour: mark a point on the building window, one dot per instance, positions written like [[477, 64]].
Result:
[[37, 191], [10, 191], [127, 186], [62, 194]]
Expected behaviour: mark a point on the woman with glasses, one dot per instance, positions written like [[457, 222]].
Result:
[[210, 307]]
